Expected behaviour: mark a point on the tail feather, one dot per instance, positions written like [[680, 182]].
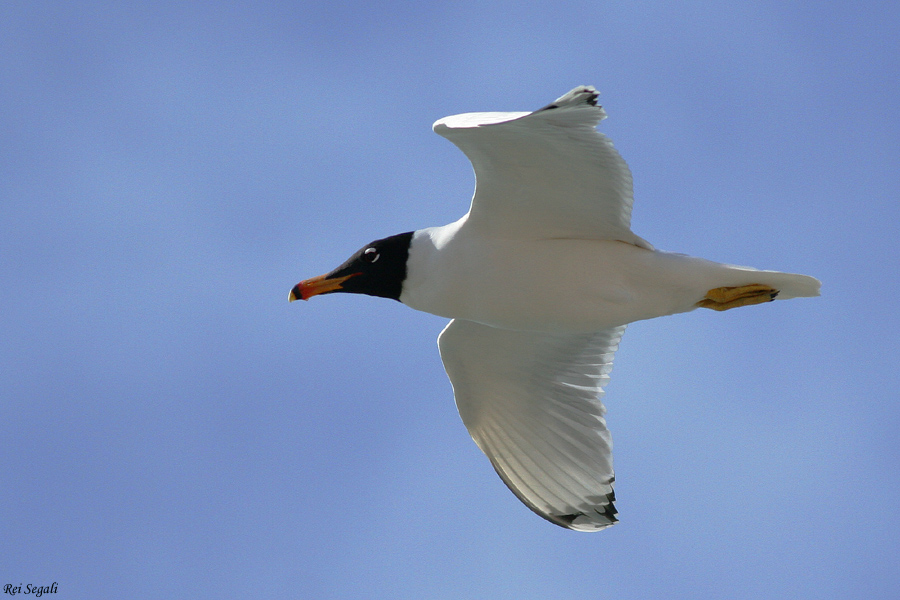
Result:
[[789, 285]]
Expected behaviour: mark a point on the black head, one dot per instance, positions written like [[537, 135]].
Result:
[[377, 269]]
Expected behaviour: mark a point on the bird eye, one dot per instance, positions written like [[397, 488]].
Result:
[[370, 255]]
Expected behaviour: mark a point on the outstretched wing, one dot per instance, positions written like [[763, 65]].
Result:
[[546, 174], [531, 401]]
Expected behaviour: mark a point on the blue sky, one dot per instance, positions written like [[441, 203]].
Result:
[[173, 427]]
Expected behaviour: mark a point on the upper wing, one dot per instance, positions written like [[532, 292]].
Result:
[[531, 402], [546, 174]]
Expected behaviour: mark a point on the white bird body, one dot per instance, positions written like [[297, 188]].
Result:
[[456, 272], [540, 278]]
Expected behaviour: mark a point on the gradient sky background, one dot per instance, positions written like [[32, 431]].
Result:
[[172, 427]]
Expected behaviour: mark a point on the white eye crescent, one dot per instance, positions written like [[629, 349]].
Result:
[[370, 255]]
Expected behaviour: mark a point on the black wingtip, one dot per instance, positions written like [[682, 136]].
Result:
[[603, 516], [592, 97], [580, 95]]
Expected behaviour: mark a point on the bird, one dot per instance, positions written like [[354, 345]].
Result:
[[540, 278]]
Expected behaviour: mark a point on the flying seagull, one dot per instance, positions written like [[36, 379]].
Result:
[[540, 278]]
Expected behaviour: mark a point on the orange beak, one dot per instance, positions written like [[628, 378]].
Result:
[[317, 285]]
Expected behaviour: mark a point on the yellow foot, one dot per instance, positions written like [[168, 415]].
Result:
[[724, 298]]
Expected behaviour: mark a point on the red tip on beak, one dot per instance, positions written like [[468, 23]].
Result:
[[317, 285]]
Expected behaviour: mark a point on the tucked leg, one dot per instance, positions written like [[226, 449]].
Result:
[[723, 298]]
